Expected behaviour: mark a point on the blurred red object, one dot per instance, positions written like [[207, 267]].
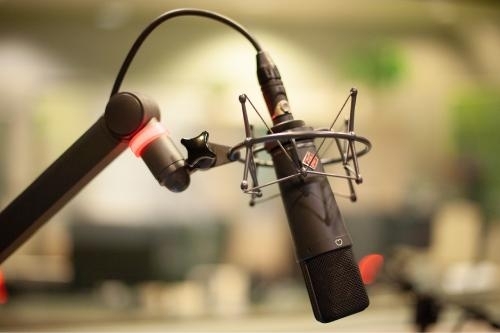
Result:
[[369, 266], [3, 290]]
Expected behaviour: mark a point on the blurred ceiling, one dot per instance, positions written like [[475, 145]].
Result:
[[292, 11]]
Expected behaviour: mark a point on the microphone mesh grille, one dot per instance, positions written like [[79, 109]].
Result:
[[334, 285]]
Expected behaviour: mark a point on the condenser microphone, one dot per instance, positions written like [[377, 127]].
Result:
[[322, 243]]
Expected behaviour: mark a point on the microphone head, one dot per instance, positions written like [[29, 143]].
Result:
[[334, 285]]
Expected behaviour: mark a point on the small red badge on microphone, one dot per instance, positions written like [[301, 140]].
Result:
[[311, 160]]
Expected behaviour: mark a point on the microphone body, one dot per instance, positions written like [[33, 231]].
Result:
[[322, 242]]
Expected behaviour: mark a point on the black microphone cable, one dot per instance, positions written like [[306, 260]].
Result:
[[167, 16]]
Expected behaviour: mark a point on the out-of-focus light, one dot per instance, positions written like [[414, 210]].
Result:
[[369, 266], [226, 68], [113, 15], [444, 12], [26, 67]]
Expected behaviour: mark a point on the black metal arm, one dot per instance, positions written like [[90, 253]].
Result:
[[125, 115]]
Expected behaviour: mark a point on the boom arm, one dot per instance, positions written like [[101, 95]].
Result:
[[124, 116]]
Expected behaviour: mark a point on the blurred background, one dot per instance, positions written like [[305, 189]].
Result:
[[126, 254]]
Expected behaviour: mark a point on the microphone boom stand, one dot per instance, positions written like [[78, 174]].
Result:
[[93, 151], [125, 115]]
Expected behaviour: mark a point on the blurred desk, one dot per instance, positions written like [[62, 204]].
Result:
[[388, 312]]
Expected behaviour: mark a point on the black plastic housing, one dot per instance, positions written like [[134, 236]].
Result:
[[166, 163]]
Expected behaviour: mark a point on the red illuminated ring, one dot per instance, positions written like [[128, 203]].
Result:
[[145, 136]]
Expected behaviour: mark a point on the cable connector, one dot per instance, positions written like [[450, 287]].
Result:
[[272, 88]]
